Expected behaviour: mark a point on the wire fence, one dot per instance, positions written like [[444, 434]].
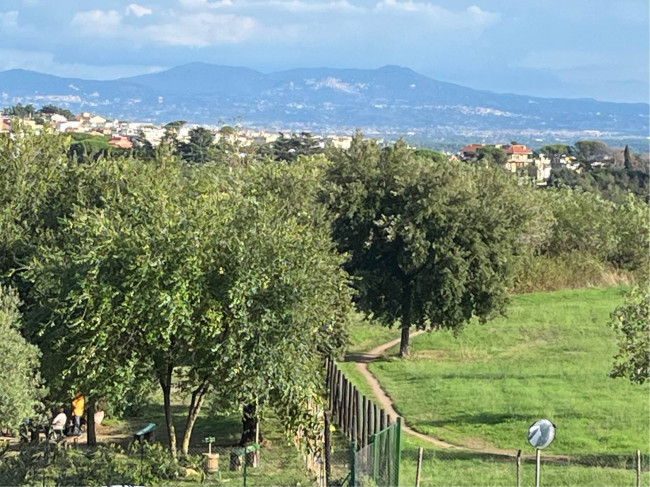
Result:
[[457, 467]]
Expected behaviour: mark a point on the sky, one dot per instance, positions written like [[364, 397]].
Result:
[[552, 48]]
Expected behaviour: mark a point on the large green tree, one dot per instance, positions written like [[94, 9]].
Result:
[[199, 273], [20, 384], [430, 243]]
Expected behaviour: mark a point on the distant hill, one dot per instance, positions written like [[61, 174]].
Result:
[[390, 100]]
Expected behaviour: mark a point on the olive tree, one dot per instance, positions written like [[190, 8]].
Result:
[[431, 244]]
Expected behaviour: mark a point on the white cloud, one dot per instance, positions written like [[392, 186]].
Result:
[[202, 30], [97, 22], [138, 10], [299, 6], [204, 4], [9, 20], [45, 62], [472, 16]]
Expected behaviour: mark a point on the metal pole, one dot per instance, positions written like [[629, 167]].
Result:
[[375, 457], [326, 448], [537, 464], [353, 451], [638, 468], [518, 468], [245, 462], [418, 472], [398, 448]]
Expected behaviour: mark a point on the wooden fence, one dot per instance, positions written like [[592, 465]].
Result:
[[356, 415]]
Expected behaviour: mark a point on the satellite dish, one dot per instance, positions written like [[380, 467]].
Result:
[[541, 434]]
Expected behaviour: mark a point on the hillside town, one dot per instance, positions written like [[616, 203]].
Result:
[[124, 134]]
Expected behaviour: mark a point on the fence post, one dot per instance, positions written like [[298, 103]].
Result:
[[343, 420], [638, 468], [518, 468], [375, 458], [349, 407], [364, 421], [398, 449], [353, 451], [375, 419], [326, 453], [418, 471]]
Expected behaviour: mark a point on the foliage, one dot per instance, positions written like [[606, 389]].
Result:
[[200, 148], [227, 277], [48, 465], [289, 148], [491, 155], [429, 242], [20, 111], [20, 384], [631, 320], [610, 183], [52, 109], [86, 147], [590, 151]]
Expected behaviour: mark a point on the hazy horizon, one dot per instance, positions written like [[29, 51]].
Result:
[[580, 49]]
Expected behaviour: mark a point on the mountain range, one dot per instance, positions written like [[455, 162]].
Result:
[[390, 99]]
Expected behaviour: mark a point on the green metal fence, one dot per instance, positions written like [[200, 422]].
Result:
[[377, 464]]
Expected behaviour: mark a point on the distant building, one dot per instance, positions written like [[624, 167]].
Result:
[[120, 142], [519, 156], [469, 151]]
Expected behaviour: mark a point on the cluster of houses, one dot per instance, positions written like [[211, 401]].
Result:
[[519, 159], [122, 133]]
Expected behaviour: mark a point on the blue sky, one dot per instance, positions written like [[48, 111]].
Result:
[[560, 48]]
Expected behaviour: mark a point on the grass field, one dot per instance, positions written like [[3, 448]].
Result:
[[550, 357], [446, 468]]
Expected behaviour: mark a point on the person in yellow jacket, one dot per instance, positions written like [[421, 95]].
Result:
[[78, 405]]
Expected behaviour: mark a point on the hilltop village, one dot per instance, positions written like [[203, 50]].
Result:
[[514, 157]]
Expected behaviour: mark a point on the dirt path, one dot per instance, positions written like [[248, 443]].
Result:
[[361, 362]]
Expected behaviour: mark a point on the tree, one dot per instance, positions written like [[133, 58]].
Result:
[[430, 243], [197, 274], [20, 384], [492, 155], [555, 152], [632, 325], [200, 148], [289, 148], [590, 151], [627, 158], [52, 109], [20, 111]]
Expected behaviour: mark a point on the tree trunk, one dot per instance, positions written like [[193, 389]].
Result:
[[249, 424], [404, 349], [166, 385], [91, 434], [198, 395], [406, 322]]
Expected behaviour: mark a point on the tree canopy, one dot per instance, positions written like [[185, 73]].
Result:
[[429, 242]]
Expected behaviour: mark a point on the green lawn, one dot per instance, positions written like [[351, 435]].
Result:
[[550, 358], [461, 468]]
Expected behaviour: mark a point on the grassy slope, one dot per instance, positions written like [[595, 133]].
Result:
[[549, 358]]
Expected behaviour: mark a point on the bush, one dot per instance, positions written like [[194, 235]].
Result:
[[46, 464]]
